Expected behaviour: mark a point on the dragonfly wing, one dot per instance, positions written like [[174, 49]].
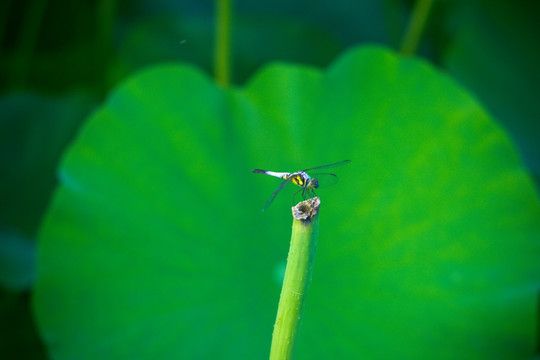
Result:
[[326, 179], [329, 165], [271, 199]]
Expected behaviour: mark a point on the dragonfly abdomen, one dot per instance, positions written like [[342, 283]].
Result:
[[283, 175]]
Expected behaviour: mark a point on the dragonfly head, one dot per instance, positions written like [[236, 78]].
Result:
[[313, 184]]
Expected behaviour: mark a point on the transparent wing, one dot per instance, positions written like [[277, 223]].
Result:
[[329, 165], [271, 198], [326, 179]]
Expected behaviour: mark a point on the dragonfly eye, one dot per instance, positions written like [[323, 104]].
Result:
[[314, 183]]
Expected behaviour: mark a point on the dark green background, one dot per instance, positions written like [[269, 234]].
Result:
[[61, 59]]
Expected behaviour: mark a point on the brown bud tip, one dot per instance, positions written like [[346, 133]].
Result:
[[307, 209]]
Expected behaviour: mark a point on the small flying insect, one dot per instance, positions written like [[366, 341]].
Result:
[[307, 183]]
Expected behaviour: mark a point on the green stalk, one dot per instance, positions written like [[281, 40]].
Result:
[[222, 55], [416, 26], [297, 278]]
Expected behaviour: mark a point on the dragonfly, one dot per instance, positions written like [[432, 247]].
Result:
[[307, 183]]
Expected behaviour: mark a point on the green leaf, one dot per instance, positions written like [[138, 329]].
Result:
[[17, 262], [155, 246], [34, 131]]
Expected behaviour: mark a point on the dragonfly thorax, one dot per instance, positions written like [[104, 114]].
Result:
[[302, 179]]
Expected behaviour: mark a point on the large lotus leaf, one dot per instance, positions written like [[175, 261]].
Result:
[[155, 246]]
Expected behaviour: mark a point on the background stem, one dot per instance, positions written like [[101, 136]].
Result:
[[222, 59], [296, 282], [416, 26]]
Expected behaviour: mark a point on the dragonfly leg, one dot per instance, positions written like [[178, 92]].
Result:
[[293, 196]]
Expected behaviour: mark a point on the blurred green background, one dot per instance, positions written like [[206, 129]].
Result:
[[130, 262]]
